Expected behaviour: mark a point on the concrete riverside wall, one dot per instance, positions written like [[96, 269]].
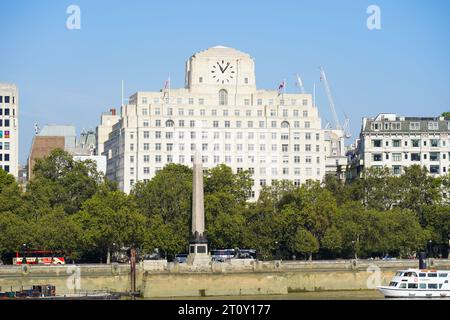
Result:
[[241, 277]]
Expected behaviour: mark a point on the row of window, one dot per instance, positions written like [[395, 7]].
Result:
[[416, 285], [226, 124], [226, 112], [397, 157], [6, 99], [4, 157], [228, 147], [223, 100], [4, 123], [226, 135], [263, 171], [5, 112], [4, 134], [433, 169], [410, 274], [217, 159], [397, 143], [4, 145], [414, 126]]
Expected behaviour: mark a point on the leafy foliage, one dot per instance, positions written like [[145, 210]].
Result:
[[70, 206]]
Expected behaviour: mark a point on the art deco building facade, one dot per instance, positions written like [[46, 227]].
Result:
[[397, 142], [9, 128], [221, 113]]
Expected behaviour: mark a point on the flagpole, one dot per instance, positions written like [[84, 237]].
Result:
[[121, 102], [168, 100], [314, 95]]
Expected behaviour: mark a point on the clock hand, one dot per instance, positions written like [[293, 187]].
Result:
[[221, 69], [226, 68]]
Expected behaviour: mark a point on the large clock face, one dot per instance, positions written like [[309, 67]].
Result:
[[222, 72]]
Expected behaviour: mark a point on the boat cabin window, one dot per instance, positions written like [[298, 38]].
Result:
[[423, 286], [398, 274], [422, 275], [410, 274], [440, 286], [432, 286], [443, 275], [393, 284], [403, 285], [412, 285], [432, 275]]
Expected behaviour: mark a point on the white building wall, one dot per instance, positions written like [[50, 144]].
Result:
[[277, 136], [100, 161], [404, 147], [9, 128]]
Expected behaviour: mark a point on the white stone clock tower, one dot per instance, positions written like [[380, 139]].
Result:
[[221, 68]]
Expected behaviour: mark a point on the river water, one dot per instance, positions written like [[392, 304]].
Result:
[[324, 295]]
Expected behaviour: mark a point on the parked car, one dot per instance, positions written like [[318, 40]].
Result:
[[246, 254], [181, 258]]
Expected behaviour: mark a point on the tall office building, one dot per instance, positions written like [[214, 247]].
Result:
[[397, 142], [221, 113], [107, 120], [9, 128]]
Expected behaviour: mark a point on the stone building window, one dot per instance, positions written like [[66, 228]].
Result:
[[223, 97]]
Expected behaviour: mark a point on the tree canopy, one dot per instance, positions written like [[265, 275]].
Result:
[[70, 206]]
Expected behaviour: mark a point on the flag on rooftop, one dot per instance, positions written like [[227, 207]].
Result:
[[281, 87]]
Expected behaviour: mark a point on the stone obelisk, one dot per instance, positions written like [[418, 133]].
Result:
[[198, 244]]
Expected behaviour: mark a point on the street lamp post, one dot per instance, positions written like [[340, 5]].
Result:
[[429, 248], [448, 249], [276, 252], [113, 253], [354, 249], [24, 248]]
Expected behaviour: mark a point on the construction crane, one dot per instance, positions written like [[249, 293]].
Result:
[[346, 127], [323, 78]]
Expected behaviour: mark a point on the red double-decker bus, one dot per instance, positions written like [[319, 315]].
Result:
[[40, 257]]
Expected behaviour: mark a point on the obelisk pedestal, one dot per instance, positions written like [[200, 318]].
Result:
[[198, 244]]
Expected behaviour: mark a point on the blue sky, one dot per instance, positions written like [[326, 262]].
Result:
[[70, 77]]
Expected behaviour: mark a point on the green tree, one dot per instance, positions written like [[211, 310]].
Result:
[[14, 231], [224, 220], [305, 243], [59, 180], [418, 189], [111, 218], [352, 222], [379, 188], [57, 231], [336, 187], [437, 222], [10, 194], [311, 207], [401, 232], [222, 179], [333, 241], [263, 229], [167, 199]]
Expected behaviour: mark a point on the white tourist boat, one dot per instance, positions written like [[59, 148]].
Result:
[[418, 283]]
